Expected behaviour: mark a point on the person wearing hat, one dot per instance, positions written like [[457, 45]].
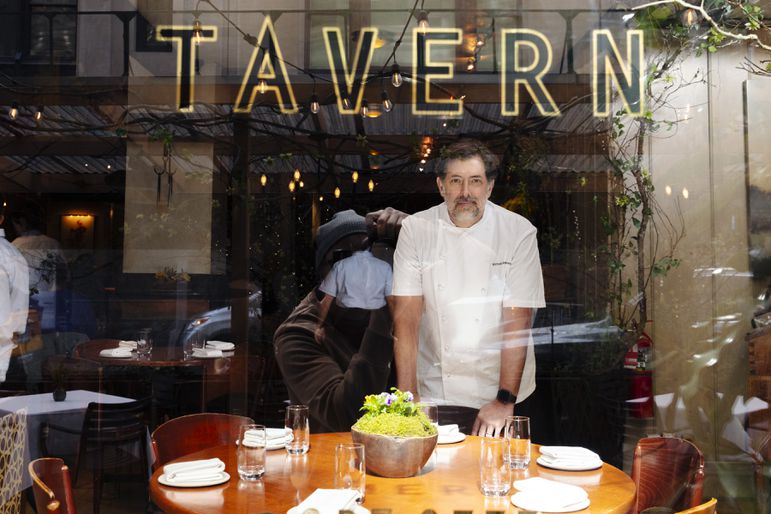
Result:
[[331, 360]]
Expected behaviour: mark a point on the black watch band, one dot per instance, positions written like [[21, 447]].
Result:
[[506, 397]]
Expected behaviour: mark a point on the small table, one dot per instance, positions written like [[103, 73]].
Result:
[[448, 483], [42, 408]]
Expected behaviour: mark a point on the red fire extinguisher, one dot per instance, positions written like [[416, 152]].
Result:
[[639, 360]]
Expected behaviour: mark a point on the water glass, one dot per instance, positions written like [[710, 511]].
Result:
[[297, 422], [431, 410], [191, 343], [494, 471], [517, 432], [144, 343], [252, 441], [350, 468]]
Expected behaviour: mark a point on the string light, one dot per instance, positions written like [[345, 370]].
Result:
[[291, 186], [197, 31], [355, 176], [371, 185], [296, 175], [689, 17], [471, 64], [38, 114], [302, 184], [262, 86], [423, 21], [263, 180], [364, 108], [480, 40], [387, 103], [14, 112], [346, 102], [321, 198], [337, 192], [396, 76], [315, 104]]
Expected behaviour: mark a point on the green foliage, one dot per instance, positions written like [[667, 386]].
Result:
[[396, 402], [394, 414]]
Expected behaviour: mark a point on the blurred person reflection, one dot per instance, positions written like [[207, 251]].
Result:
[[331, 364], [14, 298]]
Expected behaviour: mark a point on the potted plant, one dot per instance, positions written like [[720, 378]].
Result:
[[398, 436]]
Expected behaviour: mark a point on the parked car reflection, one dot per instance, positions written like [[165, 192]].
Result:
[[215, 324]]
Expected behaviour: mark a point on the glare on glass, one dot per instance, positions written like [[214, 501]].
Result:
[[494, 471], [517, 432], [350, 469], [297, 422], [252, 440]]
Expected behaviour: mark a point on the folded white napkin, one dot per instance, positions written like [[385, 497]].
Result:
[[448, 429], [329, 501], [115, 352], [567, 457], [206, 352], [220, 345], [127, 344], [194, 471], [547, 495], [277, 433]]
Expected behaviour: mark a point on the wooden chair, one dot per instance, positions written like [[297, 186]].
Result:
[[51, 486], [194, 432], [667, 472], [708, 507], [113, 438]]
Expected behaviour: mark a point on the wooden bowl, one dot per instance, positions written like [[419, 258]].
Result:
[[395, 457]]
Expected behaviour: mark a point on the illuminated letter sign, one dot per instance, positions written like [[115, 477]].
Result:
[[270, 69], [424, 70], [530, 77], [606, 59], [338, 66], [187, 38]]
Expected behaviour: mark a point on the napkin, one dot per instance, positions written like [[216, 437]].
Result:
[[275, 434], [220, 345], [569, 456], [127, 344], [206, 352], [448, 429], [115, 352], [193, 471], [547, 495], [329, 501]]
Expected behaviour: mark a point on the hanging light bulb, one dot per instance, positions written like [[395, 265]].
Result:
[[371, 185], [689, 17], [346, 103], [480, 40], [262, 86], [423, 21], [337, 192], [321, 198], [302, 184], [315, 104], [471, 64], [291, 186], [38, 114], [263, 180], [396, 76], [296, 174], [355, 176], [197, 31], [387, 103], [364, 108], [13, 113]]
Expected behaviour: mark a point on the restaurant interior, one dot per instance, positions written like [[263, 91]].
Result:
[[176, 158]]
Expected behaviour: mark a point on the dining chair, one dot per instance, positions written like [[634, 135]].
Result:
[[13, 441], [707, 507], [187, 434], [51, 486], [667, 472], [113, 438]]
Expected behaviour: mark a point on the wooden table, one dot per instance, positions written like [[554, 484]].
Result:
[[448, 483]]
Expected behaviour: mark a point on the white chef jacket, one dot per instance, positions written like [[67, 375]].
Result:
[[43, 255], [14, 299], [361, 281], [467, 276]]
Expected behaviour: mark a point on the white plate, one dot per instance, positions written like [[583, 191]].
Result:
[[119, 356], [357, 510], [523, 501], [276, 445], [453, 437], [200, 356], [221, 479], [568, 467]]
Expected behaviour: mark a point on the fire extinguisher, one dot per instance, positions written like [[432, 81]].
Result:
[[639, 360]]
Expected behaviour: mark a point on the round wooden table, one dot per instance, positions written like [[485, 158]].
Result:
[[160, 357], [448, 483]]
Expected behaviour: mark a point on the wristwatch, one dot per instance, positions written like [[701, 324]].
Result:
[[506, 397]]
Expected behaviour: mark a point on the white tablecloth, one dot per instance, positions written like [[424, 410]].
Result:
[[42, 408]]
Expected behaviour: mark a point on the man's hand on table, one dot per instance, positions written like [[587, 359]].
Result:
[[491, 418]]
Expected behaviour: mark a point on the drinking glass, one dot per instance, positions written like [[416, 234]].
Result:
[[144, 342], [431, 410], [297, 421], [494, 471], [252, 440], [191, 343], [517, 432], [350, 469]]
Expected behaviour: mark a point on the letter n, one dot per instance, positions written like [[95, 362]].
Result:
[[606, 64]]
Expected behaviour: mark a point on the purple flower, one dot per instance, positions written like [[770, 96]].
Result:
[[391, 398], [409, 396]]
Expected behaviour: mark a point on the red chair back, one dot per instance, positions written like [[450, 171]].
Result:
[[187, 434], [51, 486], [668, 472]]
